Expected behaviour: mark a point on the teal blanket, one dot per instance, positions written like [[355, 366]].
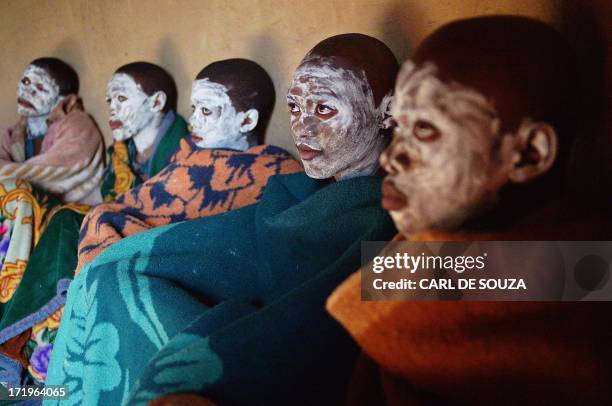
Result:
[[229, 306]]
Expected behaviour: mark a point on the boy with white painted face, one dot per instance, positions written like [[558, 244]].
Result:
[[243, 292], [141, 99], [223, 114], [486, 115], [142, 104], [54, 155], [220, 168], [337, 115], [56, 145]]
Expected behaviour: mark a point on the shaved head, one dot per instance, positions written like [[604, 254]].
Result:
[[338, 99], [486, 115]]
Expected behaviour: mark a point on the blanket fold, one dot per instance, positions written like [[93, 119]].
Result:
[[197, 183], [230, 301], [482, 352], [39, 289]]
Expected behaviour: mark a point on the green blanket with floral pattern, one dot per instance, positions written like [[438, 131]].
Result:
[[230, 306]]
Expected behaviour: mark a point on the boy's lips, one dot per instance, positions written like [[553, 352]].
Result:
[[392, 198], [307, 153], [25, 103], [114, 124]]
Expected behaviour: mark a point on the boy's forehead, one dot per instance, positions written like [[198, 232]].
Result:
[[205, 89], [36, 70], [419, 88], [122, 81], [322, 77], [416, 87]]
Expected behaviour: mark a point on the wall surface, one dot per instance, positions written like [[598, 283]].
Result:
[[97, 36]]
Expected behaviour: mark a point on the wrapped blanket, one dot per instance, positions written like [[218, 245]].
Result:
[[31, 318], [26, 212], [71, 161], [197, 183], [231, 306], [28, 215], [481, 352]]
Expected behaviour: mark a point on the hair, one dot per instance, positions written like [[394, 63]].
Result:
[[63, 74], [526, 69], [248, 86], [153, 78], [360, 52]]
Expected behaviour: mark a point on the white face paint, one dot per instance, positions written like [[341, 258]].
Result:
[[37, 93], [335, 124], [131, 110], [215, 123], [447, 160]]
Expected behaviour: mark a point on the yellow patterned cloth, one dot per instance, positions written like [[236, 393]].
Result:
[[25, 213], [124, 177], [24, 220]]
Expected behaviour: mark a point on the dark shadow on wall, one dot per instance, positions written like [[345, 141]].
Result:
[[70, 51], [395, 32], [170, 60], [266, 52]]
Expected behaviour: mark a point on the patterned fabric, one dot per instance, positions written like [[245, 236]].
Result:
[[197, 183], [124, 178], [71, 161], [28, 212], [229, 306], [25, 216], [30, 319], [69, 166]]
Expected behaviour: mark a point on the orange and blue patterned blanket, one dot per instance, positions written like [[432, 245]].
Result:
[[197, 183]]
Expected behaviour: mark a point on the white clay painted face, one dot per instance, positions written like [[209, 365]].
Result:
[[130, 108], [214, 121], [334, 121], [37, 92], [446, 158]]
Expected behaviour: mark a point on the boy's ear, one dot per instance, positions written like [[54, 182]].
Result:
[[384, 111], [249, 121], [535, 151], [158, 101]]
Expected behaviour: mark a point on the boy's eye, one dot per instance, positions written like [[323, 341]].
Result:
[[121, 98], [293, 108], [425, 131], [40, 87], [25, 81], [206, 111], [192, 108], [325, 110], [108, 101]]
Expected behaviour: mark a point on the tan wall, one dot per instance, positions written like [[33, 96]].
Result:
[[96, 37]]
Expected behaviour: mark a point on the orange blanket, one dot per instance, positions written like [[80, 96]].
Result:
[[482, 352], [196, 183]]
